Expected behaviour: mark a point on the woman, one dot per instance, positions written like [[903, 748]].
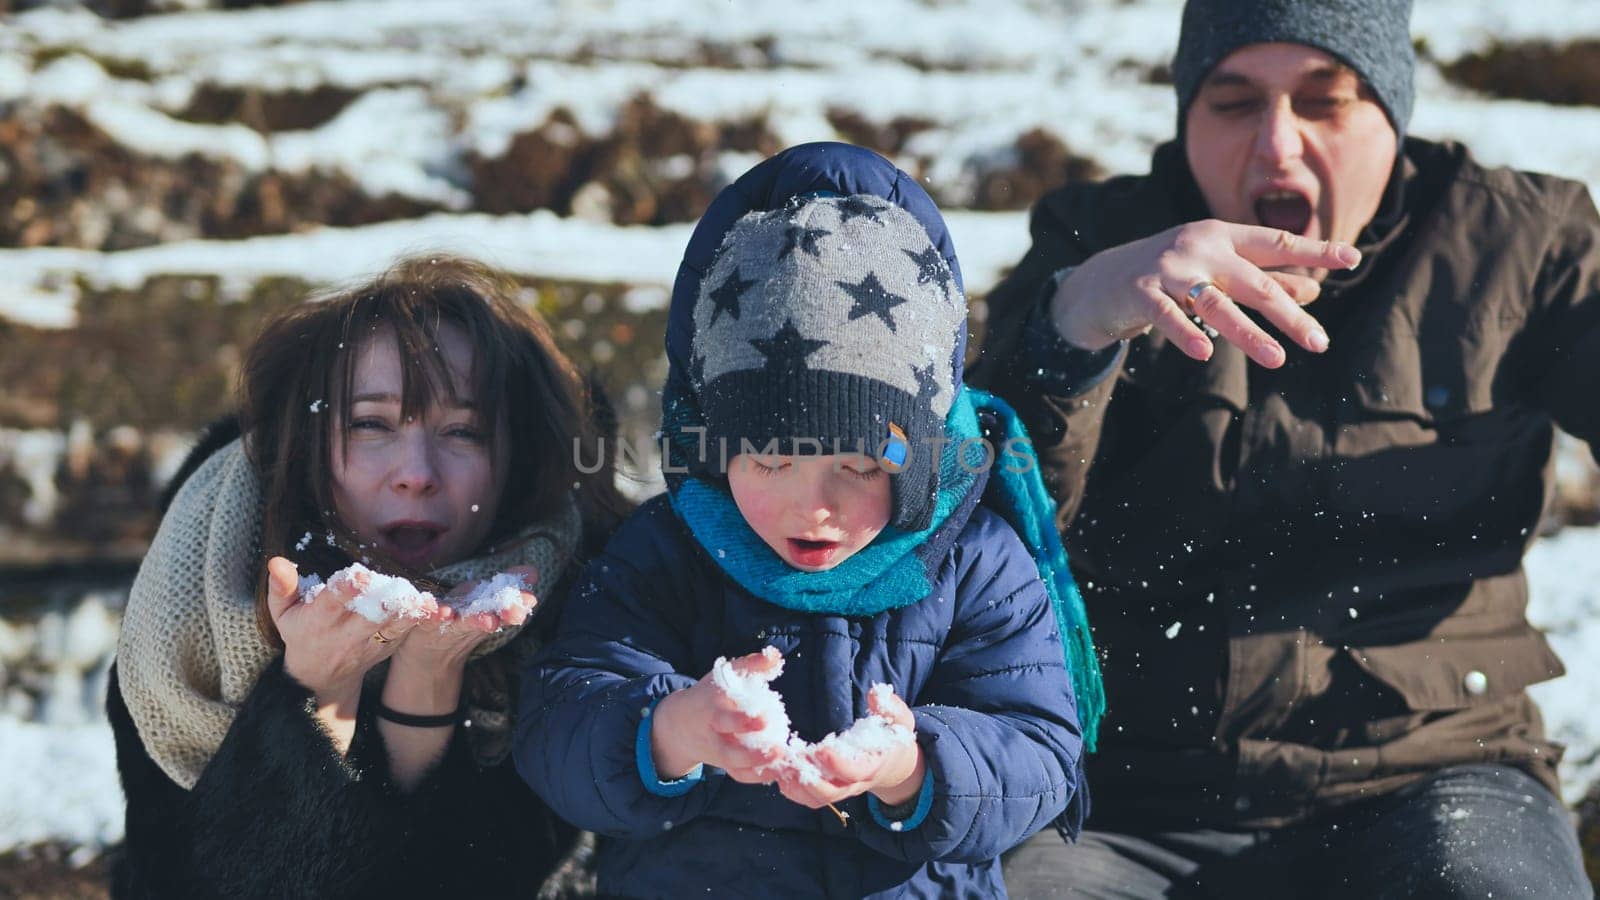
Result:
[[422, 424]]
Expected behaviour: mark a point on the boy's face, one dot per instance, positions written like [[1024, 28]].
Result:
[[813, 511]]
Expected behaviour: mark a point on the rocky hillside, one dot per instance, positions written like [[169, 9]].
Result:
[[172, 171]]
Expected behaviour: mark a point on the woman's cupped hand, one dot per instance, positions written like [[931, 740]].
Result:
[[326, 646], [329, 648], [447, 638]]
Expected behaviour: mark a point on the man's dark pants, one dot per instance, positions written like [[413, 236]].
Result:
[[1474, 831]]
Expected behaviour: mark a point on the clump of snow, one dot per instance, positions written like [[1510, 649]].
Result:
[[499, 595], [378, 597], [381, 597], [752, 693]]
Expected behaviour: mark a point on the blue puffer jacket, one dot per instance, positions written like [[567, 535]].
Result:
[[979, 661]]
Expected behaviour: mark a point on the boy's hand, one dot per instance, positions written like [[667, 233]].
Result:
[[893, 776], [702, 724]]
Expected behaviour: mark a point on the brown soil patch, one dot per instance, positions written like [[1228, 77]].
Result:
[[68, 184], [1043, 164], [46, 872], [267, 111], [888, 139], [655, 168], [1566, 74]]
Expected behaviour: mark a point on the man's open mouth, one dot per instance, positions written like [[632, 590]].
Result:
[[1286, 210]]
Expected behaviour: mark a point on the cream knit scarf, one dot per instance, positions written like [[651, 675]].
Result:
[[190, 651]]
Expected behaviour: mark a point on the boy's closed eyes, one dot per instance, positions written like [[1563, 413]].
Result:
[[815, 512]]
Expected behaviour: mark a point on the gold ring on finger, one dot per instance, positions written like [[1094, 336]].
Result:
[[380, 637], [1192, 296]]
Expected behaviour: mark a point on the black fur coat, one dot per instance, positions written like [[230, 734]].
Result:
[[277, 813]]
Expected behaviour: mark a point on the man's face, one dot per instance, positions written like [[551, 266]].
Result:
[[1288, 137]]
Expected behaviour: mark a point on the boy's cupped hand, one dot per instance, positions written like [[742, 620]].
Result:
[[894, 776], [702, 724]]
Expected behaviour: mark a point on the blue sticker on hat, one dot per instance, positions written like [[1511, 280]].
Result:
[[895, 451]]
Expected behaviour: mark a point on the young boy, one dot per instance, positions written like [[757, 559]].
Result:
[[825, 475]]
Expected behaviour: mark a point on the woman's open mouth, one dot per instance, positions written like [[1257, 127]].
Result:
[[413, 543], [1285, 210], [812, 553]]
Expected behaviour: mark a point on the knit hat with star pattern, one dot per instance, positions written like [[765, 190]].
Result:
[[831, 326]]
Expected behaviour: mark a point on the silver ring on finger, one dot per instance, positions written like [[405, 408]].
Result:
[[1192, 295]]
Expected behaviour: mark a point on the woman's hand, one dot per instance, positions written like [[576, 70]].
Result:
[[894, 776], [326, 647], [702, 724], [1208, 269], [447, 639]]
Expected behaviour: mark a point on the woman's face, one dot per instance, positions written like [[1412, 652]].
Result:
[[424, 491], [813, 511]]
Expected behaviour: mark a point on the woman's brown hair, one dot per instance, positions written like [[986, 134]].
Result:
[[295, 392]]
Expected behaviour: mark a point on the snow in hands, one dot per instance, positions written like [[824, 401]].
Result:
[[379, 597], [752, 693], [502, 595], [376, 597]]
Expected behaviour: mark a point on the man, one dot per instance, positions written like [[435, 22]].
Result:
[[1295, 392]]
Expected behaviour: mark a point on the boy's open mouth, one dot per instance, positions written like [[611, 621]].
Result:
[[812, 553]]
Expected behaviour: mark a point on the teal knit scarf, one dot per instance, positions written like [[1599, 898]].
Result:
[[889, 573]]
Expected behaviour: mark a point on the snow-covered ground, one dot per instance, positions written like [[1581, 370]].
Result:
[[1564, 600], [443, 81]]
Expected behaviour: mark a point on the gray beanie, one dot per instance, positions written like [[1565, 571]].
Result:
[[1373, 37], [833, 320]]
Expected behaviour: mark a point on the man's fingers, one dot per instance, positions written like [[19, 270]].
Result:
[[1170, 320], [1302, 289], [1276, 247], [1249, 286], [283, 586], [1218, 310]]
